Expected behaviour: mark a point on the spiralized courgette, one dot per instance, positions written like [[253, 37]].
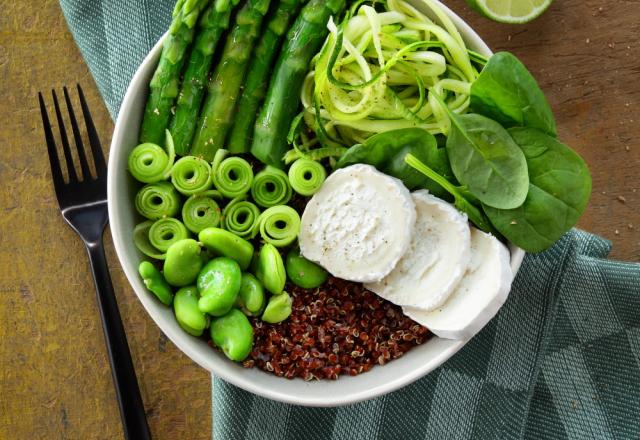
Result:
[[150, 163], [279, 225], [306, 176], [157, 200], [166, 231], [241, 217], [201, 211], [191, 175], [271, 187], [232, 176]]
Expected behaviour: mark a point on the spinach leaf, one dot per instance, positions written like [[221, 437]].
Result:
[[386, 151], [487, 161], [506, 92], [558, 193]]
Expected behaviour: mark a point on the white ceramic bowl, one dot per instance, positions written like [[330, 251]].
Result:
[[121, 192]]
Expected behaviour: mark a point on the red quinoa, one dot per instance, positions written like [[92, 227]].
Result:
[[339, 328]]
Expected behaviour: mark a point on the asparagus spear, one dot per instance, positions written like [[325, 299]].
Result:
[[215, 20], [281, 104], [166, 79], [258, 75], [224, 88]]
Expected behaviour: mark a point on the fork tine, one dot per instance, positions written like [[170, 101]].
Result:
[[94, 140], [71, 171], [56, 171], [84, 165]]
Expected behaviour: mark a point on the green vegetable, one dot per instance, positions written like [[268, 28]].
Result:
[[281, 104], [227, 244], [155, 282], [157, 200], [200, 212], [270, 269], [386, 152], [215, 20], [191, 175], [279, 225], [304, 273], [259, 73], [506, 92], [486, 160], [271, 187], [558, 193], [188, 315], [166, 231], [306, 176], [142, 243], [241, 217], [233, 334], [219, 284], [183, 263], [219, 106], [278, 308], [149, 163], [251, 297], [232, 176], [165, 84]]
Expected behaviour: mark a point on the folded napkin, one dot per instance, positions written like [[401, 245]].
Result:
[[560, 360]]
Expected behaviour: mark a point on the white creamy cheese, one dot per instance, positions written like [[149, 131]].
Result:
[[479, 295], [436, 260], [359, 224]]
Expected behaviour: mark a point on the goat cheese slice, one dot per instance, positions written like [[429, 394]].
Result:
[[359, 224], [437, 258], [479, 295]]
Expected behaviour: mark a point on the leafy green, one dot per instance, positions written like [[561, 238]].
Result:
[[558, 193], [506, 92], [387, 151]]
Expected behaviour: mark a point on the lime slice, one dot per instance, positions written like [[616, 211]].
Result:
[[511, 11]]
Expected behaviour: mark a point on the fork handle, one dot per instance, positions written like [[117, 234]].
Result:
[[134, 420]]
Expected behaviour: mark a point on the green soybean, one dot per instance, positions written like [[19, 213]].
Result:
[[278, 309], [227, 244], [304, 273], [188, 315], [270, 269], [219, 283], [233, 334], [155, 282], [251, 297], [183, 262]]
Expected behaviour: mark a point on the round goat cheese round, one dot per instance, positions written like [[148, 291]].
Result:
[[437, 258], [359, 224]]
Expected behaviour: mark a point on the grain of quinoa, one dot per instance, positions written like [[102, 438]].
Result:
[[339, 328]]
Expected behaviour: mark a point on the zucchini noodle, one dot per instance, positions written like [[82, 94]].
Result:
[[157, 200], [166, 231], [191, 175], [200, 212], [232, 176], [271, 187], [241, 217], [376, 72], [149, 163], [306, 176], [279, 225], [142, 243]]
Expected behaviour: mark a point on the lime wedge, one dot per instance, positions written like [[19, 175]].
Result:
[[510, 11]]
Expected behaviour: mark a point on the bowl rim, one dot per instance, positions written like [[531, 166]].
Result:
[[177, 336]]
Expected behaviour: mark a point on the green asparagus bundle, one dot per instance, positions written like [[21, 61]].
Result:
[[165, 83], [258, 75], [281, 104], [215, 20], [219, 106]]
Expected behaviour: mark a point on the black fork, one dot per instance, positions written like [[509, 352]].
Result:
[[83, 203]]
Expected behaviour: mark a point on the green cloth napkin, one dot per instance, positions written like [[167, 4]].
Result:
[[560, 360]]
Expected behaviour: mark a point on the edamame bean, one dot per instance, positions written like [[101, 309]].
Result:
[[227, 244], [183, 262], [155, 282], [219, 283], [278, 309], [188, 315], [233, 334], [304, 273], [251, 296], [270, 269]]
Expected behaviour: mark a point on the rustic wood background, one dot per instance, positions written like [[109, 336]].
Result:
[[54, 373]]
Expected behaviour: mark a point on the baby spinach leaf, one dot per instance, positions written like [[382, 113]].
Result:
[[558, 193], [487, 161], [386, 151], [506, 92]]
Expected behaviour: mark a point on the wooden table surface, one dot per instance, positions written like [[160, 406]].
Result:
[[54, 373]]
